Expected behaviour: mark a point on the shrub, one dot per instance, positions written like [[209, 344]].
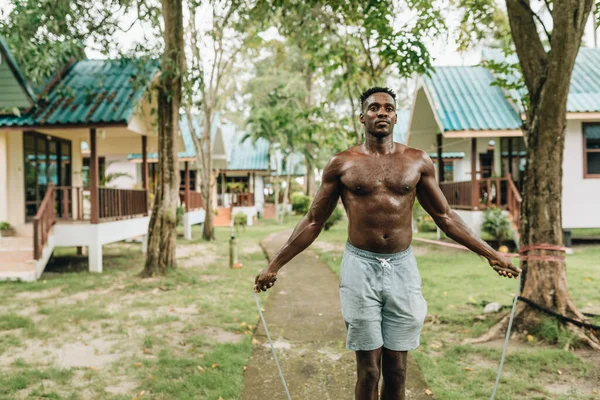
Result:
[[496, 224], [426, 226], [240, 219], [300, 202], [179, 215], [5, 226], [418, 211], [336, 216]]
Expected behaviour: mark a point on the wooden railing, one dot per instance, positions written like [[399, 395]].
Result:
[[492, 192], [122, 203], [193, 202], [43, 222], [498, 192], [242, 199], [513, 202], [69, 202], [73, 203]]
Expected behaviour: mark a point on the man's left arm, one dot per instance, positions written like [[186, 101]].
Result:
[[434, 202]]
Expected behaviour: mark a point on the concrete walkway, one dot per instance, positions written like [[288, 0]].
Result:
[[304, 318]]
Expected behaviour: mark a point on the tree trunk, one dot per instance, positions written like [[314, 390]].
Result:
[[207, 231], [311, 184], [547, 77], [286, 192], [162, 234]]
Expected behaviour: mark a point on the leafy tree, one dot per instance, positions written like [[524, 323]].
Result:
[[357, 44], [44, 35], [278, 111], [546, 56], [210, 79]]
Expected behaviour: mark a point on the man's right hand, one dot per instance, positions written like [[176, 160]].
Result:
[[265, 280]]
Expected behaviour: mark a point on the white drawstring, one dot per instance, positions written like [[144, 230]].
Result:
[[385, 262]]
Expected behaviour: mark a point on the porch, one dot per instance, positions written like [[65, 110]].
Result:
[[238, 192], [83, 216], [484, 193]]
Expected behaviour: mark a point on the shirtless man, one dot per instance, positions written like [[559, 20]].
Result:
[[380, 286]]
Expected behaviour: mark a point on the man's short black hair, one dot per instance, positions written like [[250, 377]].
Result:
[[376, 89]]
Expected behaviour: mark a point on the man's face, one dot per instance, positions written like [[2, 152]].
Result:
[[379, 115]]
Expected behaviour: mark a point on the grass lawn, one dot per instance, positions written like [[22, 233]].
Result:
[[76, 335], [586, 232], [455, 282]]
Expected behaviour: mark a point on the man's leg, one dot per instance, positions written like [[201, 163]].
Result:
[[368, 370], [394, 374]]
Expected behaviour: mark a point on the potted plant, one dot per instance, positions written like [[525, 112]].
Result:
[[497, 225], [6, 229]]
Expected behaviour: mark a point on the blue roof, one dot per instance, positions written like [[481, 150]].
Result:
[[228, 132], [463, 99], [242, 155], [186, 136], [91, 92], [584, 92], [401, 128], [16, 71], [248, 156], [297, 159], [450, 154]]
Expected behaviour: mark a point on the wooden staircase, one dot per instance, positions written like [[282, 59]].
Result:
[[16, 258], [223, 217], [24, 257]]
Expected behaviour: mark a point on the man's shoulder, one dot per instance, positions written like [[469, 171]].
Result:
[[348, 153], [411, 151]]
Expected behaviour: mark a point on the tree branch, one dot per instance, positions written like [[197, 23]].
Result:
[[532, 56], [528, 7], [367, 50]]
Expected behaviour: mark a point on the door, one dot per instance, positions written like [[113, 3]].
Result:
[[47, 160]]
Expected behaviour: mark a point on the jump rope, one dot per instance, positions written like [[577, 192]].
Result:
[[523, 257]]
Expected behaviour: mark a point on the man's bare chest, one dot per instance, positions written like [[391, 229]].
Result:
[[381, 177]]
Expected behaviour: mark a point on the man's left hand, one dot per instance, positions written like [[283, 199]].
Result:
[[503, 266]]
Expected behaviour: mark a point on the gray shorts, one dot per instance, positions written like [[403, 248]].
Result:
[[381, 298]]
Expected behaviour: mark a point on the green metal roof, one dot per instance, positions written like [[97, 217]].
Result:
[[228, 132], [297, 159], [246, 155], [242, 155], [584, 92], [91, 92], [401, 128], [451, 154], [463, 99], [6, 55], [186, 136]]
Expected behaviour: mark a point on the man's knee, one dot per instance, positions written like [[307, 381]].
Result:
[[394, 366], [394, 373], [369, 373]]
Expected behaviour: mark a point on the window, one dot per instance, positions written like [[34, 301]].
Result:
[[47, 160], [192, 180], [591, 150], [448, 171]]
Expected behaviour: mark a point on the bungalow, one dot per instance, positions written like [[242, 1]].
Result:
[[459, 110], [189, 183], [49, 192]]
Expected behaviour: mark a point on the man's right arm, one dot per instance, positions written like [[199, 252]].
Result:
[[309, 226]]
